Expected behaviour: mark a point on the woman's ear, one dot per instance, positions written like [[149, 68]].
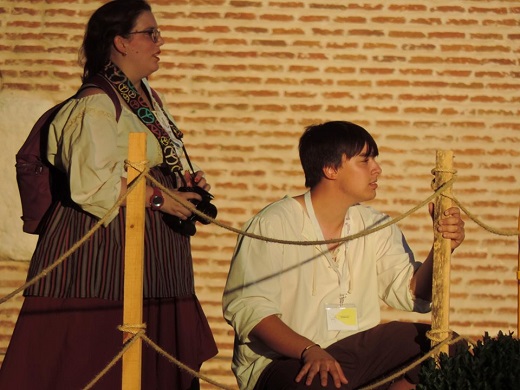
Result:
[[120, 45]]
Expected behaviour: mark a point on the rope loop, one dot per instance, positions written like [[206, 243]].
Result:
[[132, 328], [436, 170], [139, 166], [434, 335]]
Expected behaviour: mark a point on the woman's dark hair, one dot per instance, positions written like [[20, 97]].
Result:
[[116, 17], [325, 144]]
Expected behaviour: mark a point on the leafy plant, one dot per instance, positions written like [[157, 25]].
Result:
[[493, 364]]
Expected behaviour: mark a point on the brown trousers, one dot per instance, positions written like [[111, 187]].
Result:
[[364, 357]]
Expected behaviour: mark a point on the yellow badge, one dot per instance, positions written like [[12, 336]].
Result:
[[348, 316], [342, 317]]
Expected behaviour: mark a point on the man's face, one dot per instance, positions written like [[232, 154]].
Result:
[[356, 178]]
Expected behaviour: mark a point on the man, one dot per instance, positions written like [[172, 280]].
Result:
[[308, 316]]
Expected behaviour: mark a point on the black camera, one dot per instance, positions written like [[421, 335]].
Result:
[[187, 227]]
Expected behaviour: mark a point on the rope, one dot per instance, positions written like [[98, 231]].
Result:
[[414, 364], [468, 213], [439, 191], [435, 170], [138, 331], [116, 358], [182, 365], [433, 335], [483, 225], [191, 207], [85, 238]]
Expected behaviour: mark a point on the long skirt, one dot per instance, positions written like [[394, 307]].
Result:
[[62, 344]]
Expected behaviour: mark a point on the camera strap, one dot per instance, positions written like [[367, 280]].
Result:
[[189, 163], [140, 108]]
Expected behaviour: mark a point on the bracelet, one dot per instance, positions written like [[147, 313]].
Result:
[[307, 348]]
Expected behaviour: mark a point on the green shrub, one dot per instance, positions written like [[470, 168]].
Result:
[[493, 364]]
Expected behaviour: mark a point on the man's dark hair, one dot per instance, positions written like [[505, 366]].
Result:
[[325, 144], [114, 18]]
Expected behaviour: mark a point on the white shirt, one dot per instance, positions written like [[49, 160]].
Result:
[[295, 282]]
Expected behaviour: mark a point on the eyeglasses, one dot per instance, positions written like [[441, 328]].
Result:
[[154, 33]]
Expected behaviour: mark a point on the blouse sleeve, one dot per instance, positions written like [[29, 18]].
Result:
[[85, 142]]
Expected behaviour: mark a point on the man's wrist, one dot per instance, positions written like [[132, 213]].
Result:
[[306, 349]]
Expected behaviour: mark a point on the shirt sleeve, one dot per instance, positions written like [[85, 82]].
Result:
[[253, 286], [84, 142], [396, 266]]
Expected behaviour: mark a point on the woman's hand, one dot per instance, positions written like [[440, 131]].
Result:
[[318, 361], [173, 207], [197, 179]]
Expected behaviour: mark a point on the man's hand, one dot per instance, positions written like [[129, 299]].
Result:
[[450, 225], [318, 361]]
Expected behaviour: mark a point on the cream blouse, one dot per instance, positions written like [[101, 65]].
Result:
[[88, 144]]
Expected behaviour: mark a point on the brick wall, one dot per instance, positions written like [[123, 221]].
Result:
[[243, 78]]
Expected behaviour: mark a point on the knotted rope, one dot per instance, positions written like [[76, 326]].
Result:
[[139, 330]]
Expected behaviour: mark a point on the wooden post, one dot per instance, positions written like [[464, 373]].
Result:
[[441, 254], [518, 280], [134, 265]]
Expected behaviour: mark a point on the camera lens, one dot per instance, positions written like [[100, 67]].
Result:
[[207, 208], [186, 228]]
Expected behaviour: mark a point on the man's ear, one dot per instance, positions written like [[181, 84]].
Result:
[[330, 172]]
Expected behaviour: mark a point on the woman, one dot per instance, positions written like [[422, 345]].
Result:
[[67, 329]]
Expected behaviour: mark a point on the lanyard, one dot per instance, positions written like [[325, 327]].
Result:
[[344, 274]]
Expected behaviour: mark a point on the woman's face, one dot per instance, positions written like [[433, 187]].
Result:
[[142, 55]]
